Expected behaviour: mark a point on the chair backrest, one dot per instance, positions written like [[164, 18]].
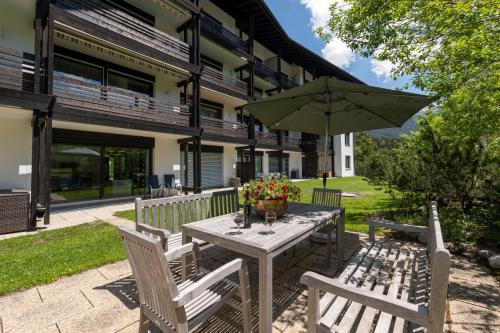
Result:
[[326, 197], [169, 180], [155, 282], [171, 213], [152, 181], [224, 202], [440, 260]]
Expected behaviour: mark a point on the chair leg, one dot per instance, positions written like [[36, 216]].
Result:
[[246, 303], [143, 323]]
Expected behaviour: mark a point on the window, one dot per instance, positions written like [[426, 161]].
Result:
[[127, 82], [274, 164], [347, 139], [207, 108], [348, 162], [81, 70], [212, 63]]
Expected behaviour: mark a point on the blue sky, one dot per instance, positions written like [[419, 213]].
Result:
[[299, 17]]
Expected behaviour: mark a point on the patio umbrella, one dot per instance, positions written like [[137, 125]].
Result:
[[328, 106]]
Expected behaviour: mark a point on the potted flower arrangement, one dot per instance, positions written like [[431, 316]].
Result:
[[271, 194]]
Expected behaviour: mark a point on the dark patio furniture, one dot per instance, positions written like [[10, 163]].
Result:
[[14, 211]]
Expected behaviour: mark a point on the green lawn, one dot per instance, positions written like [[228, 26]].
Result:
[[46, 256], [368, 202]]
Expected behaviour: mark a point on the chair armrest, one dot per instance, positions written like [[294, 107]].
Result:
[[376, 222], [178, 252], [199, 287], [164, 235], [393, 225], [412, 312]]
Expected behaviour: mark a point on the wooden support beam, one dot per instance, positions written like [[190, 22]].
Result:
[[185, 140], [184, 26]]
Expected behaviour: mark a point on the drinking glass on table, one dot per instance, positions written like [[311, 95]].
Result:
[[270, 219], [239, 219]]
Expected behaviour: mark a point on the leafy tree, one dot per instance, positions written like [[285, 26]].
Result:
[[450, 50]]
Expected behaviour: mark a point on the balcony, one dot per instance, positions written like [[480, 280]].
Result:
[[218, 81], [215, 31], [222, 127], [115, 26], [288, 83], [267, 73], [266, 139], [78, 94], [291, 144], [16, 70]]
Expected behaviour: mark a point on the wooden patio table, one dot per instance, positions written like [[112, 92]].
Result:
[[300, 222]]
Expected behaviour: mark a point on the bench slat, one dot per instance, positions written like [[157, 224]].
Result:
[[400, 325], [351, 267], [353, 310], [366, 321], [332, 314]]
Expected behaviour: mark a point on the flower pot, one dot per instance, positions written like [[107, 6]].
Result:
[[279, 206]]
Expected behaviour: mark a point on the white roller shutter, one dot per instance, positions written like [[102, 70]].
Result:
[[212, 164]]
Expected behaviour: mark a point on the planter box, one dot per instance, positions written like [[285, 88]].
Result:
[[14, 211]]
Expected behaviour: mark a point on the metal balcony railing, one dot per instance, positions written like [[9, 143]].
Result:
[[112, 18], [77, 93]]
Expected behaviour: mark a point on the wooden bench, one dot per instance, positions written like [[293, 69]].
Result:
[[386, 287], [164, 217]]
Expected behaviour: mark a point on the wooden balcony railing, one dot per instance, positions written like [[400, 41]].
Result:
[[219, 78], [216, 32], [17, 70], [76, 93], [291, 143], [267, 139], [112, 18], [224, 127]]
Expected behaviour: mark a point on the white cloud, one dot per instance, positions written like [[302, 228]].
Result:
[[335, 51], [382, 68], [338, 53]]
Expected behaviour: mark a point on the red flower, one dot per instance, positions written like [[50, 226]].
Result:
[[257, 192], [272, 185], [273, 178], [284, 188], [284, 196], [259, 186], [257, 202]]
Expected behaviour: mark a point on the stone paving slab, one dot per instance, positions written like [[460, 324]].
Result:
[[104, 299]]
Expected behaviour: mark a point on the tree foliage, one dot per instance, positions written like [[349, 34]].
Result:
[[450, 50]]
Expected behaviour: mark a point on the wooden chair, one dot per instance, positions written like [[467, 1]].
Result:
[[182, 307], [330, 198], [164, 217], [386, 287]]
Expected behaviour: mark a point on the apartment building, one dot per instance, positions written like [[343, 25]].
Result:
[[97, 94]]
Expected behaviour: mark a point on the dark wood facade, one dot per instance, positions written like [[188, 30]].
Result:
[[52, 96]]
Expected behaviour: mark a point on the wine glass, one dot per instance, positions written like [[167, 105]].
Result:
[[239, 219], [270, 219]]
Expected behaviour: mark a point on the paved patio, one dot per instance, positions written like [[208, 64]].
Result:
[[103, 299]]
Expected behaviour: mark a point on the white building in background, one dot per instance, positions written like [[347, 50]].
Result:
[[99, 102]]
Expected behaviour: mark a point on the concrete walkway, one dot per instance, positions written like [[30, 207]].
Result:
[[104, 299], [62, 218]]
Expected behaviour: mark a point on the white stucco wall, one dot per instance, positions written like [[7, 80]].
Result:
[[16, 25], [15, 149]]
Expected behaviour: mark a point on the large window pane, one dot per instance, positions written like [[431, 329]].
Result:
[[75, 172], [125, 171], [129, 83], [80, 70]]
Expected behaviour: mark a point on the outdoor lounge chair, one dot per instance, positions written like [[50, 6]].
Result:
[[185, 306], [170, 182], [330, 198]]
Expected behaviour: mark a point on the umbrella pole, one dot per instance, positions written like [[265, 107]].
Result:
[[327, 131]]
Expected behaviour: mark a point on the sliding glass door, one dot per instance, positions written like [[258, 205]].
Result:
[[86, 172]]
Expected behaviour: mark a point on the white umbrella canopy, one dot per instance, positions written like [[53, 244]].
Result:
[[331, 106]]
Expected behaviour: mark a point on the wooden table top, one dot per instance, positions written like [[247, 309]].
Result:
[[300, 219]]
